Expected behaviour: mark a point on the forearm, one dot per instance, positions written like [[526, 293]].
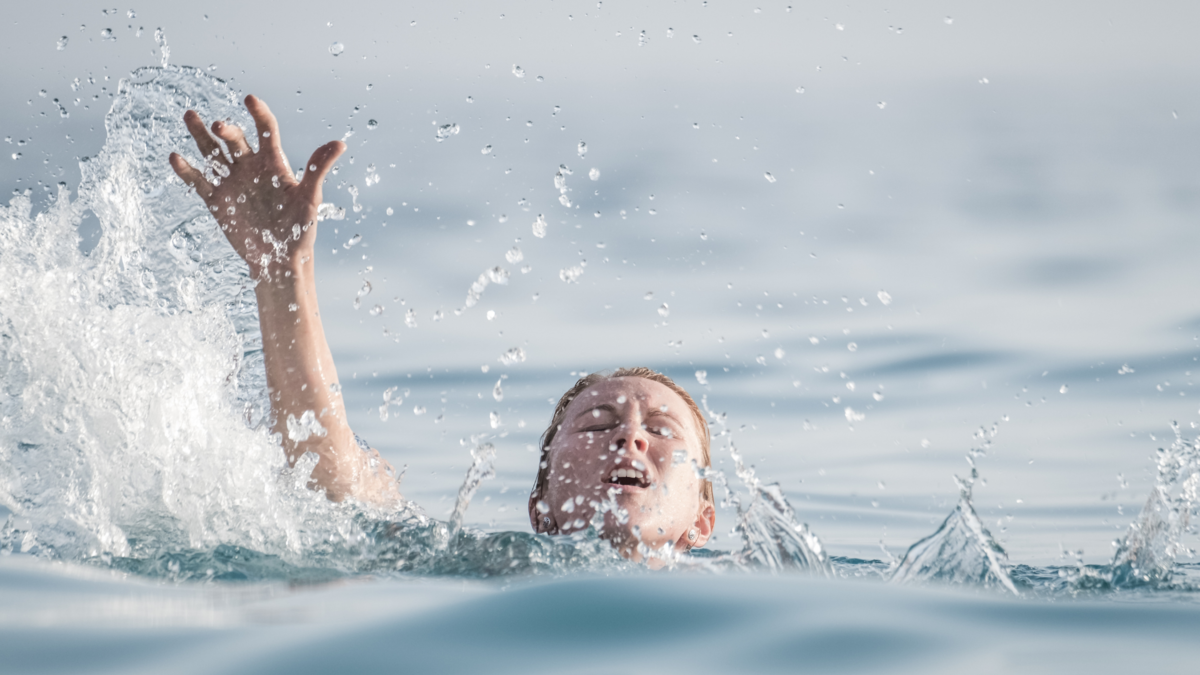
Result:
[[302, 379]]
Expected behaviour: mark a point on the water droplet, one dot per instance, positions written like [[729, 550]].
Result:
[[695, 125], [518, 70], [664, 311], [779, 353], [352, 241], [570, 275], [594, 174], [514, 355], [418, 410], [410, 318], [769, 177], [881, 105], [949, 20], [799, 90], [702, 376], [486, 149], [853, 416], [376, 310], [497, 392], [581, 149], [470, 99], [539, 227], [853, 346], [62, 43], [446, 131], [885, 297], [1062, 389], [878, 396], [696, 39], [337, 48], [514, 255], [1125, 370], [107, 34], [498, 275], [390, 211], [648, 296], [372, 125]]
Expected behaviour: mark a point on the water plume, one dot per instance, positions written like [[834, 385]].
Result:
[[961, 551], [1147, 552]]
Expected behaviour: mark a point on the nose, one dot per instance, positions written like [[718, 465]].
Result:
[[633, 437]]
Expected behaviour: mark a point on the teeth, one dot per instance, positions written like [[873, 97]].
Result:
[[628, 473]]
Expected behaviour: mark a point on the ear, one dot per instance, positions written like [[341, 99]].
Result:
[[542, 523], [706, 520]]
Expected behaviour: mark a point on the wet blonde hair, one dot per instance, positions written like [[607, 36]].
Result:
[[560, 412]]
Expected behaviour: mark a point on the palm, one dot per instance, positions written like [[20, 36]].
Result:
[[267, 215]]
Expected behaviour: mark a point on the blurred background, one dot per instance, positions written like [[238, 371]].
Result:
[[862, 231]]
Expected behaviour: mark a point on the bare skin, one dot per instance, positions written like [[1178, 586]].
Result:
[[638, 440], [270, 219]]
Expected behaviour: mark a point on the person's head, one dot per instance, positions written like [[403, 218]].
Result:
[[635, 432]]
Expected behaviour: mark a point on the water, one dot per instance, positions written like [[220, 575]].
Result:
[[1033, 260]]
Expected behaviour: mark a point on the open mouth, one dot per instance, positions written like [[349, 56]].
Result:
[[628, 478]]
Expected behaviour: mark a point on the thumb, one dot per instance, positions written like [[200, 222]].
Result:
[[319, 165]]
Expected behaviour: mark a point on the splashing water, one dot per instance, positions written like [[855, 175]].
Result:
[[772, 538], [1148, 551], [135, 370], [961, 551]]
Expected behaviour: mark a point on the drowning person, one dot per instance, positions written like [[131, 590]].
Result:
[[631, 438]]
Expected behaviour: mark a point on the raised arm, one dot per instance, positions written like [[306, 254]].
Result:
[[270, 218]]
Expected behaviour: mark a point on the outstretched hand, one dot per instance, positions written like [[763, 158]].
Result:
[[268, 216]]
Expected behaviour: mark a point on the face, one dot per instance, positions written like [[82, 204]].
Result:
[[637, 439]]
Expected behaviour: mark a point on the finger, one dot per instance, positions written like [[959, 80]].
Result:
[[268, 127], [319, 164], [204, 141], [191, 176], [233, 137]]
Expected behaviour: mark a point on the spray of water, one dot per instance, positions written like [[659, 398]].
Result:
[[133, 409], [1154, 540], [772, 538], [961, 551]]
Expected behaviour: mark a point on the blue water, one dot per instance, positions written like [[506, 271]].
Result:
[[976, 276]]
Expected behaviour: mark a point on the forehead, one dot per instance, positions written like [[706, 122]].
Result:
[[646, 394]]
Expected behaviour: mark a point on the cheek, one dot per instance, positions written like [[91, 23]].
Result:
[[574, 461]]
